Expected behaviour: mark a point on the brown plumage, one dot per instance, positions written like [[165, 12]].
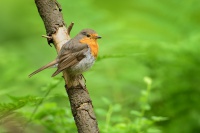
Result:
[[77, 55]]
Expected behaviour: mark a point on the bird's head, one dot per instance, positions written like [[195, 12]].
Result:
[[89, 34]]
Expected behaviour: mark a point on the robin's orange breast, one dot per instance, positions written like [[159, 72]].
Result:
[[92, 43]]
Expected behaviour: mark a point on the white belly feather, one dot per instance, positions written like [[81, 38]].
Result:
[[85, 64]]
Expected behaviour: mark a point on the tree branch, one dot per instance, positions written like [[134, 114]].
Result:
[[58, 34]]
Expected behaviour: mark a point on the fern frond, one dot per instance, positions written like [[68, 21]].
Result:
[[18, 102]]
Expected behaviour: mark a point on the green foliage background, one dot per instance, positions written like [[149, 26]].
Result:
[[155, 39]]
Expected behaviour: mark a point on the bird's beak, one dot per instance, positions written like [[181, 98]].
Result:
[[98, 37]]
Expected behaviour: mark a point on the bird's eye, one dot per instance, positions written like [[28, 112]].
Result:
[[88, 35]]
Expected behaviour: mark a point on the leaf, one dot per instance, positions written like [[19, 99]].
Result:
[[117, 107], [153, 130], [106, 100], [19, 102], [121, 126], [159, 118], [136, 113], [100, 112], [145, 106], [148, 80]]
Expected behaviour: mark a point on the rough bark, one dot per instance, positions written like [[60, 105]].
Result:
[[50, 12], [82, 110], [58, 34]]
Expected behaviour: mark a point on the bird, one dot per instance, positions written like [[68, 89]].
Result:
[[77, 55]]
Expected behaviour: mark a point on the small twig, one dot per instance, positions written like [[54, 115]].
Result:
[[70, 27], [59, 6], [48, 37]]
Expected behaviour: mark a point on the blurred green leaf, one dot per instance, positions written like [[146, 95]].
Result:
[[117, 108], [159, 118], [106, 101], [136, 113]]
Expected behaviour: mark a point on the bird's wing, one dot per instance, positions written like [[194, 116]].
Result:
[[70, 54]]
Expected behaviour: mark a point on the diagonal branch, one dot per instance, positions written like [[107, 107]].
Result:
[[58, 34]]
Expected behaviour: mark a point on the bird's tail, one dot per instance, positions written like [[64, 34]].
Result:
[[42, 68]]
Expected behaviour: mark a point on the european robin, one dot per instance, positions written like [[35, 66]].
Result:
[[77, 55]]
